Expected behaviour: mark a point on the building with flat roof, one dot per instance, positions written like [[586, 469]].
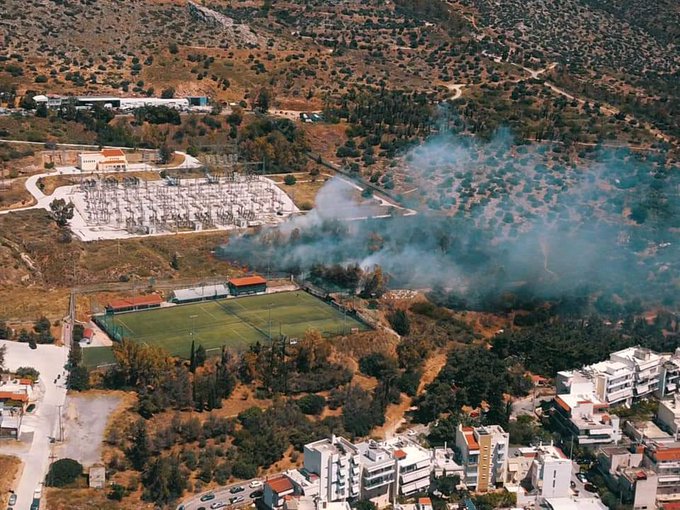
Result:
[[625, 475], [574, 503], [584, 416], [247, 285], [106, 160], [97, 477], [628, 374], [201, 293], [484, 455], [538, 473], [668, 416], [378, 473], [336, 461], [664, 460]]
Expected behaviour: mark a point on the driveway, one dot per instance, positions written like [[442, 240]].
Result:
[[43, 423]]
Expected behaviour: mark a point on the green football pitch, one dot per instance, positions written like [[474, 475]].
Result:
[[235, 322]]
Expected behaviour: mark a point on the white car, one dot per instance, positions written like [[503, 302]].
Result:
[[218, 504], [255, 484]]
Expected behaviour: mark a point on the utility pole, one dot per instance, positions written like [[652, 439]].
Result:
[[193, 324]]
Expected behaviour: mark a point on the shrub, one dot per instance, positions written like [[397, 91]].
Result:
[[64, 472], [117, 492], [289, 180], [312, 404], [28, 372]]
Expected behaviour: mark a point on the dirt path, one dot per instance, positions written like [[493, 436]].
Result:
[[395, 417]]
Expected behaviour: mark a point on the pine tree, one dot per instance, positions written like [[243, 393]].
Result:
[[192, 359], [200, 356], [139, 451]]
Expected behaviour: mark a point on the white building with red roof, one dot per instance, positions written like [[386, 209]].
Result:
[[106, 160]]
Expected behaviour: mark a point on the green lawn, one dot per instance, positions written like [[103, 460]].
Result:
[[235, 322], [97, 356]]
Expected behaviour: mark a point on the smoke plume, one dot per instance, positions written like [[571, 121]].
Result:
[[498, 218]]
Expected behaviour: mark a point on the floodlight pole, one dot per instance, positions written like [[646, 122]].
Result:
[[270, 321], [193, 323]]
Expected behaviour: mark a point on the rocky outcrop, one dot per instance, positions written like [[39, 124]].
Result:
[[240, 32]]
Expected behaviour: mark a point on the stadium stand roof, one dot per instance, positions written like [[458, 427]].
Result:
[[247, 280], [198, 293], [151, 299]]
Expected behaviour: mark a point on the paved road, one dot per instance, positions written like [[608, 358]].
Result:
[[578, 485], [527, 405], [43, 201], [43, 423], [221, 494]]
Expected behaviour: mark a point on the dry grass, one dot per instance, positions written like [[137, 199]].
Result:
[[15, 195], [91, 499], [304, 191], [9, 472]]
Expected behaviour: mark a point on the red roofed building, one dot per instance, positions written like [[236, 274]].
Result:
[[275, 491], [247, 285], [484, 455], [424, 504], [112, 160], [134, 303]]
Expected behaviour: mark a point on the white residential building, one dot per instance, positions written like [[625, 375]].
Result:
[[538, 473], [337, 470], [551, 472], [484, 455], [336, 461], [623, 468], [378, 473], [583, 415], [663, 458], [668, 416], [645, 364], [629, 374], [414, 467], [669, 375]]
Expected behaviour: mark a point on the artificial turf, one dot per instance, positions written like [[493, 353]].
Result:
[[235, 322]]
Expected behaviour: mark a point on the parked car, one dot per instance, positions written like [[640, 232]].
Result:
[[590, 487], [13, 500], [582, 478], [255, 484], [207, 497], [236, 499], [218, 504], [256, 494], [237, 489]]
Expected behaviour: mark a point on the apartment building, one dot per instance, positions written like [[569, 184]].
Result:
[[645, 364], [537, 473], [629, 374], [663, 458], [669, 375], [668, 416], [581, 414], [336, 461], [625, 475], [551, 472], [414, 468], [484, 455], [378, 473]]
